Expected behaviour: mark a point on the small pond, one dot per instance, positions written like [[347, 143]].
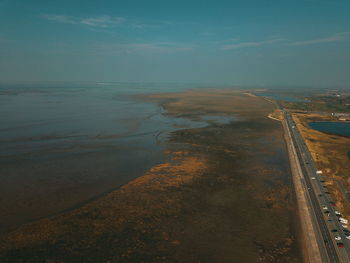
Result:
[[339, 128], [277, 96]]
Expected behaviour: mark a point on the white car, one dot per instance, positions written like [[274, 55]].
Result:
[[313, 178], [347, 235], [337, 238], [324, 207]]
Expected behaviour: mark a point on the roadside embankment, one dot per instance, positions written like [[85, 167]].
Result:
[[276, 115], [311, 251]]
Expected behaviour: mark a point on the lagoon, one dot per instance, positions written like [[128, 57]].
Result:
[[338, 128]]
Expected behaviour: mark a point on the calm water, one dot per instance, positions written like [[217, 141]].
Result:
[[340, 128], [61, 146], [277, 96]]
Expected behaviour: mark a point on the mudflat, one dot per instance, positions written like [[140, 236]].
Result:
[[223, 195]]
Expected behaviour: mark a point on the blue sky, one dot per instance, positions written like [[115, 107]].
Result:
[[262, 42]]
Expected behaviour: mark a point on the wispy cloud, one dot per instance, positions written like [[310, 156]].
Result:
[[207, 34], [250, 44], [107, 21], [335, 38], [230, 40], [144, 26], [159, 47], [104, 21], [133, 48]]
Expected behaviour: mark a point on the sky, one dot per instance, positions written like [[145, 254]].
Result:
[[250, 42]]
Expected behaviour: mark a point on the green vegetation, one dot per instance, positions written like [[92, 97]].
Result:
[[321, 104]]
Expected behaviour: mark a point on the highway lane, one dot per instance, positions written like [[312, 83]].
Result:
[[327, 253], [319, 198]]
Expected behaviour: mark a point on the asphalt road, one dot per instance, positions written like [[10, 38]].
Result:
[[327, 225]]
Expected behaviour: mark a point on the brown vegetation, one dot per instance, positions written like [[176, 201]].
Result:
[[276, 115]]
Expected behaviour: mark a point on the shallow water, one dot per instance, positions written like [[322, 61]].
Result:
[[339, 128], [63, 145], [277, 96]]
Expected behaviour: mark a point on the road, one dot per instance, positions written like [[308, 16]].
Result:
[[326, 224]]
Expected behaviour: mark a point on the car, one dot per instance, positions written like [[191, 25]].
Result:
[[340, 244], [322, 181], [313, 178], [334, 230], [337, 238], [324, 207], [347, 235], [328, 193]]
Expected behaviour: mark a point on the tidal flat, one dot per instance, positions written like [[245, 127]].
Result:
[[222, 194]]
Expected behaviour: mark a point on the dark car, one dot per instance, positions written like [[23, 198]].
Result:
[[340, 244], [334, 230]]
